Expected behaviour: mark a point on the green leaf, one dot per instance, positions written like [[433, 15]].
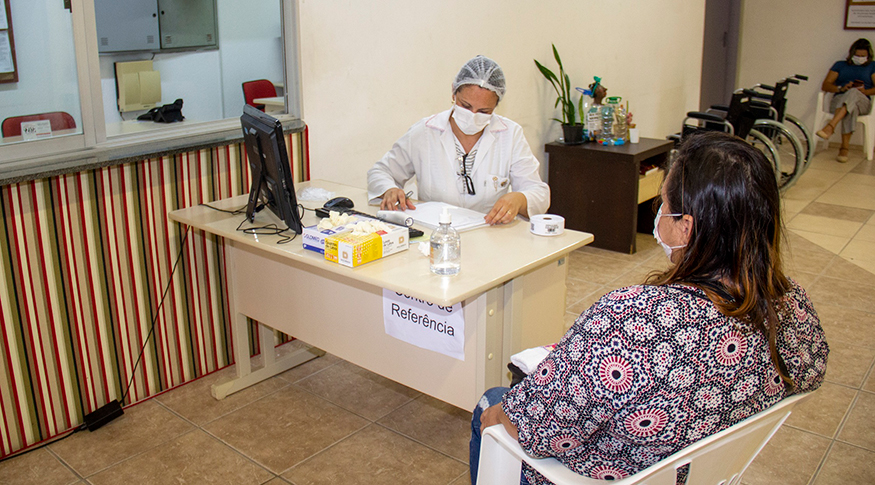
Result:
[[556, 55], [547, 73], [567, 92], [568, 103]]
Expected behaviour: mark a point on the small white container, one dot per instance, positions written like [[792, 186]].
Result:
[[633, 135]]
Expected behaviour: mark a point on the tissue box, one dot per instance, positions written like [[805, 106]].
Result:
[[314, 238], [352, 250]]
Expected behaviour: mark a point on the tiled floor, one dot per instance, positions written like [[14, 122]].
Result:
[[329, 422]]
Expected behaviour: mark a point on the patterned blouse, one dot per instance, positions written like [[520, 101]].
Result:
[[648, 370]]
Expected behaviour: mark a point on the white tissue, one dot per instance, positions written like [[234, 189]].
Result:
[[333, 220], [425, 248], [325, 224], [369, 227], [315, 193], [528, 359]]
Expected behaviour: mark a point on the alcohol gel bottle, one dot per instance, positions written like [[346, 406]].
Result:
[[446, 247]]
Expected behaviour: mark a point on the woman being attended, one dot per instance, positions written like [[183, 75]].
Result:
[[466, 156], [649, 369], [853, 82]]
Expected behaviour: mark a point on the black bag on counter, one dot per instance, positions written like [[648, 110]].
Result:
[[164, 114]]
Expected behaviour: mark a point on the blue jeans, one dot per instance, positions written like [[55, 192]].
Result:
[[490, 397]]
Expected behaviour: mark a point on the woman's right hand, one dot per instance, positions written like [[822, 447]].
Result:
[[829, 83], [395, 199]]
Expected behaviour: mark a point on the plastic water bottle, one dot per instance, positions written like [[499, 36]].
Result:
[[446, 247], [593, 122], [620, 125], [607, 131], [584, 110], [589, 115]]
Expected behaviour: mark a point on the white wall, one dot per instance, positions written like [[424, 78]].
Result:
[[784, 37], [372, 69], [43, 33]]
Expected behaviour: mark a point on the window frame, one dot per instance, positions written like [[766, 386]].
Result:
[[68, 153]]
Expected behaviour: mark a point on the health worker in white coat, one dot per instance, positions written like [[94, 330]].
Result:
[[465, 156]]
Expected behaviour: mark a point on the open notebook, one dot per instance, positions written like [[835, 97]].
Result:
[[428, 214]]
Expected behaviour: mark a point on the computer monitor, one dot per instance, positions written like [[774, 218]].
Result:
[[272, 183]]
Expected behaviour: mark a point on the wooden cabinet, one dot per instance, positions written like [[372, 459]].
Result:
[[598, 189]]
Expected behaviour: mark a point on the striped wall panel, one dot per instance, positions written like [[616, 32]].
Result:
[[85, 259]]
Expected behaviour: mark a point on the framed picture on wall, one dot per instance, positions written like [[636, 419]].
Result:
[[859, 15], [8, 72]]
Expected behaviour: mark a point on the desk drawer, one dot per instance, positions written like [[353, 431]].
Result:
[[649, 185]]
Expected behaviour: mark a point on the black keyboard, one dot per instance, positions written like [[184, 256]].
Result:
[[323, 212]]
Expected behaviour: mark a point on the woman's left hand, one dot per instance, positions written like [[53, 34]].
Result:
[[495, 415], [506, 208]]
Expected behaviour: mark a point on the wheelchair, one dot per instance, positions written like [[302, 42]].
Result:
[[773, 106], [744, 119]]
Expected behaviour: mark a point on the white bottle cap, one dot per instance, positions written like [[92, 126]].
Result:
[[446, 217]]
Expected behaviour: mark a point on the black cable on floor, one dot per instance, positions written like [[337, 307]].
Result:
[[133, 372], [157, 312]]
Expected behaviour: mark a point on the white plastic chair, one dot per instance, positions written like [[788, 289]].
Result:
[[822, 115], [718, 459]]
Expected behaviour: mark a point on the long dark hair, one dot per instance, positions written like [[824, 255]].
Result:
[[733, 254], [860, 44]]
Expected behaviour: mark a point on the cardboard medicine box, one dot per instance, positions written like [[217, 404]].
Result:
[[354, 250]]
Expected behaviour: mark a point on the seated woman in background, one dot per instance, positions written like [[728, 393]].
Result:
[[853, 82], [721, 335]]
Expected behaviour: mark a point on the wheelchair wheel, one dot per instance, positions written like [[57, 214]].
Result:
[[791, 156], [806, 140], [762, 143]]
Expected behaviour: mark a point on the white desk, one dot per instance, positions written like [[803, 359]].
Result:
[[512, 289], [272, 104], [55, 133], [128, 127]]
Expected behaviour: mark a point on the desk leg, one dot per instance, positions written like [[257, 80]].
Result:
[[271, 365]]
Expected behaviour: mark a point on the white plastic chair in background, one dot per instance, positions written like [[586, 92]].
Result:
[[822, 115], [718, 459]]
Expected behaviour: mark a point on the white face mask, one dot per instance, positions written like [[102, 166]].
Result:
[[859, 60], [470, 123], [665, 247]]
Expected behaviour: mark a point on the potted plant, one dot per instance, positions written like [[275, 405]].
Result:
[[572, 115]]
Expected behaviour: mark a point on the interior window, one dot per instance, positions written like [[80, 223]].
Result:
[[47, 90], [208, 80], [239, 42]]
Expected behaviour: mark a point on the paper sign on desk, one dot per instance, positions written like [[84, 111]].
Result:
[[424, 324], [428, 214]]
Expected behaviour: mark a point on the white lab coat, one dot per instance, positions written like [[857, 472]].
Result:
[[428, 151]]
